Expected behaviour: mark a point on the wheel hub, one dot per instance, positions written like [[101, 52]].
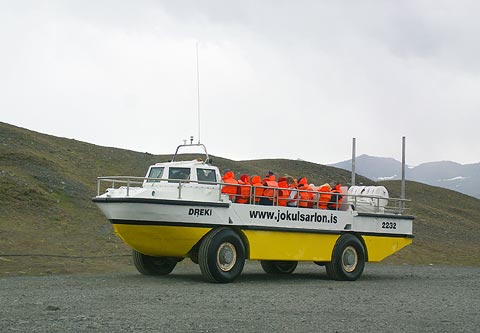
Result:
[[226, 256], [349, 259]]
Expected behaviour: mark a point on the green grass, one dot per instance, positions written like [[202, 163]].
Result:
[[46, 186]]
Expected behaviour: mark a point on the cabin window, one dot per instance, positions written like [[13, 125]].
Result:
[[178, 173], [206, 175], [155, 172]]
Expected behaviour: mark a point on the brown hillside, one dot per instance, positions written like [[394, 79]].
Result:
[[446, 226], [48, 223]]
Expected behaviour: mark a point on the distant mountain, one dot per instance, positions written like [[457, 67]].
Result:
[[463, 178]]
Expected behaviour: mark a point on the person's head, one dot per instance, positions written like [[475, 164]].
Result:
[[245, 178], [228, 174], [255, 179], [302, 181], [270, 176]]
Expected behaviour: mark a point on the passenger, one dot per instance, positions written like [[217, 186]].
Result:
[[292, 183], [243, 192], [325, 195], [257, 189], [336, 200], [283, 192], [270, 193], [269, 176], [305, 193], [293, 197], [231, 190]]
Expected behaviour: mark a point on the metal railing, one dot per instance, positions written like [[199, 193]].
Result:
[[129, 180], [395, 205], [192, 145]]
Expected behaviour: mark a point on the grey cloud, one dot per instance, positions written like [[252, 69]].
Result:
[[374, 70]]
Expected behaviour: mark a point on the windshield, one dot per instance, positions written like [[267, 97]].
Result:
[[178, 173], [155, 172], [206, 175]]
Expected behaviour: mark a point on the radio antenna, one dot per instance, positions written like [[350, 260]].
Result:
[[198, 94]]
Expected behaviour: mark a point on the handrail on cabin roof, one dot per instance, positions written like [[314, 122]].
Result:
[[192, 145]]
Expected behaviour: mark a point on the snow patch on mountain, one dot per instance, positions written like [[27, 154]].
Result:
[[387, 177], [453, 179]]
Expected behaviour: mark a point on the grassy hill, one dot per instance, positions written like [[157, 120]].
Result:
[[446, 226], [48, 223]]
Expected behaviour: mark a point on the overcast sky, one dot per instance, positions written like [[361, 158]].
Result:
[[278, 79]]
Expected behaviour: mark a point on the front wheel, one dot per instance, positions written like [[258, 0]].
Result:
[[278, 267], [149, 265], [348, 259], [221, 255]]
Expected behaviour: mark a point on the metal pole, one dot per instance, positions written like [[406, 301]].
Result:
[[198, 94], [402, 192], [353, 162]]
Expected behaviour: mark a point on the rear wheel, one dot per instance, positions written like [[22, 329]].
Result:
[[348, 259], [149, 265], [221, 255], [278, 267]]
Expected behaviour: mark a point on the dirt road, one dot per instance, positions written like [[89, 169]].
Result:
[[386, 298]]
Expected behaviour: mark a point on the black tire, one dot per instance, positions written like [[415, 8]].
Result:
[[148, 265], [278, 267], [330, 273], [221, 255], [348, 259], [194, 257]]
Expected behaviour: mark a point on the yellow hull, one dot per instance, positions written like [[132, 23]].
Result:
[[160, 241], [279, 245], [379, 247], [176, 241]]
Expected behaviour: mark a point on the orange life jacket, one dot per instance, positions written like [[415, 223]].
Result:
[[231, 190], [257, 191], [243, 193], [270, 193], [336, 199], [306, 198], [283, 192], [324, 198]]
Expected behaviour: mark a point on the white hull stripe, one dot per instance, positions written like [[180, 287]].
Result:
[[221, 204], [176, 202]]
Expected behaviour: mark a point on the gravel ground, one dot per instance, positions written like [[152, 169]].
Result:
[[386, 298]]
